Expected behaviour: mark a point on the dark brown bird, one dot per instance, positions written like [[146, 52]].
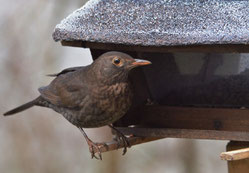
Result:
[[91, 96]]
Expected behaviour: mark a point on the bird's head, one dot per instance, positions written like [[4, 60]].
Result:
[[116, 65]]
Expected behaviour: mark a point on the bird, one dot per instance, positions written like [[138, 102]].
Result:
[[91, 96]]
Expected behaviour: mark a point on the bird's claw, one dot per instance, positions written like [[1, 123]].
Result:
[[95, 148], [122, 138]]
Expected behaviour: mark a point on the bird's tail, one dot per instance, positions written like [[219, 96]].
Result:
[[22, 107]]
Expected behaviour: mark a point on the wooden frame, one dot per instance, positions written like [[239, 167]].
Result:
[[228, 48], [194, 123]]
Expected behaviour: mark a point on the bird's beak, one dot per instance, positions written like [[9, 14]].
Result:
[[140, 62]]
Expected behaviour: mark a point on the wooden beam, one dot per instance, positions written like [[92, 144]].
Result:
[[185, 133], [114, 145], [235, 154], [229, 48], [219, 119], [238, 166]]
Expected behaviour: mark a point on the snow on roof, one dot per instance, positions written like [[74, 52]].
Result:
[[158, 22]]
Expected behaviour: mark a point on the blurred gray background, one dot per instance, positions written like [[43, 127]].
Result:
[[40, 140]]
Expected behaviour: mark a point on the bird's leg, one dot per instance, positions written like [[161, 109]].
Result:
[[92, 145], [121, 137]]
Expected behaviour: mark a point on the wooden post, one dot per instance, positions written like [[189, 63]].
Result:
[[238, 166]]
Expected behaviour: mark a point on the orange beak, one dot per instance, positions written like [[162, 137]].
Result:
[[140, 62]]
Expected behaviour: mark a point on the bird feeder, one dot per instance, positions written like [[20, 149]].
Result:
[[198, 84]]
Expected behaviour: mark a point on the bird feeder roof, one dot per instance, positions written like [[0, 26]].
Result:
[[158, 22]]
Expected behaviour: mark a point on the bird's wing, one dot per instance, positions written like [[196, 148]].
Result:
[[66, 90], [67, 70]]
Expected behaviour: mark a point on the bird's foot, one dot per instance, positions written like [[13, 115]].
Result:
[[121, 138], [95, 148]]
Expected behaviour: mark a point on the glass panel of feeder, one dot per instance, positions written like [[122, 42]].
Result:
[[199, 79]]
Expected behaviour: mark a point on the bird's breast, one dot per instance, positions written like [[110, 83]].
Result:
[[109, 103], [111, 91], [116, 98]]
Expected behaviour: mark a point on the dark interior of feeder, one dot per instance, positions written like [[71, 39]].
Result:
[[211, 80]]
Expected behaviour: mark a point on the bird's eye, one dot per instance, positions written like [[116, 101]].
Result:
[[116, 61]]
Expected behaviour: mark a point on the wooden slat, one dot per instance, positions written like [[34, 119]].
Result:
[[185, 133], [235, 154], [191, 48], [189, 122], [192, 118], [114, 145], [238, 166]]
